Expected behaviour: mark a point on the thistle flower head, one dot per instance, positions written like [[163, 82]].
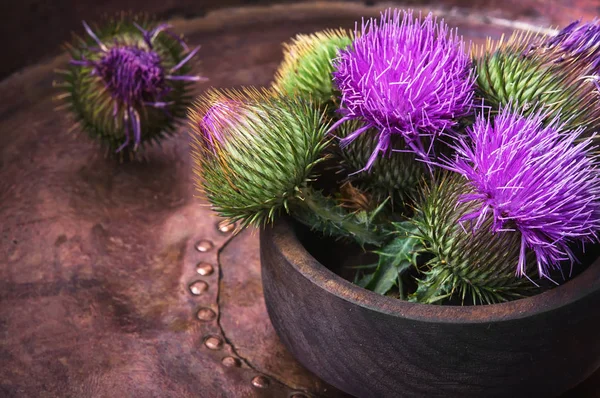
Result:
[[128, 82], [576, 41], [516, 73], [462, 263], [253, 151], [404, 75], [532, 178], [131, 74], [307, 67]]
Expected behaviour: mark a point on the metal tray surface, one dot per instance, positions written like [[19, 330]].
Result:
[[115, 279]]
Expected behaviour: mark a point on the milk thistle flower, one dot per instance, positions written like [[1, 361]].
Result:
[[532, 177], [404, 75], [128, 81], [461, 263]]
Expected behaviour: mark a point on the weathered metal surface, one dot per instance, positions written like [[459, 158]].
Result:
[[103, 289]]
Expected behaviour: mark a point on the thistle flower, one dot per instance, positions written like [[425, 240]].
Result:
[[395, 174], [534, 179], [254, 152], [512, 73], [127, 83], [580, 43], [407, 76], [461, 262], [307, 67]]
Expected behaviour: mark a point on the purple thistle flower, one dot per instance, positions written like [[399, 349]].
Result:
[[404, 76], [532, 178], [577, 41], [134, 76], [222, 116]]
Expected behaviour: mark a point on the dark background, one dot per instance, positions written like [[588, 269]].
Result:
[[34, 29]]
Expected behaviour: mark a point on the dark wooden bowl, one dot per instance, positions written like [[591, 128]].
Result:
[[370, 345]]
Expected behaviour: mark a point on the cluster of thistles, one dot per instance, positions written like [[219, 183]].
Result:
[[474, 176]]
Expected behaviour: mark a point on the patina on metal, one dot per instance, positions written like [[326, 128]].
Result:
[[115, 280]]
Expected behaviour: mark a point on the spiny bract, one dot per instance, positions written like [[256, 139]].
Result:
[[509, 72], [307, 65], [478, 265], [127, 82], [394, 174], [254, 151]]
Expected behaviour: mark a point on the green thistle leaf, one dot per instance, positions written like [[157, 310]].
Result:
[[324, 214]]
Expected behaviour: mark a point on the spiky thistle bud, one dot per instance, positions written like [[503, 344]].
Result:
[[307, 68], [128, 83], [512, 72], [395, 174], [464, 263], [404, 76], [254, 152], [534, 179]]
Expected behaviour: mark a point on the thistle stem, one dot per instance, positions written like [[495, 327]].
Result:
[[322, 213]]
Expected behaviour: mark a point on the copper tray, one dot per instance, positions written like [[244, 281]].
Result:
[[115, 281]]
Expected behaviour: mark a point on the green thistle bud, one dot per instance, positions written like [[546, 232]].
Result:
[[462, 263], [510, 73], [127, 83], [306, 69], [395, 174], [254, 152]]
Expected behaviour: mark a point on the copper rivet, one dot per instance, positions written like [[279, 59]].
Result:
[[231, 362], [206, 314], [298, 395], [198, 287], [226, 226], [204, 269], [260, 382], [213, 342], [204, 246]]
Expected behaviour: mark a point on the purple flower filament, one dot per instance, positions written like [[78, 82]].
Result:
[[532, 178], [406, 76], [578, 41], [222, 117], [134, 77]]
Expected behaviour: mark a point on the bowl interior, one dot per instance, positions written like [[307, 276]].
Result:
[[326, 261]]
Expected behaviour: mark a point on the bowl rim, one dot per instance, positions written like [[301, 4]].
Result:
[[283, 239]]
